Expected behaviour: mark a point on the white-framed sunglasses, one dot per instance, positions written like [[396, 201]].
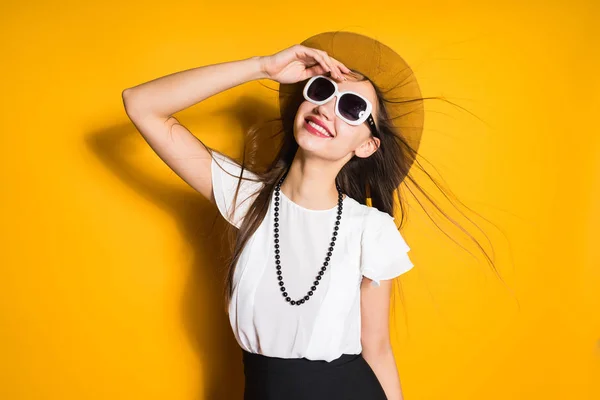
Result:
[[351, 107]]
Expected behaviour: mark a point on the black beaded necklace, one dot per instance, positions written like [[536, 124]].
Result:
[[277, 251]]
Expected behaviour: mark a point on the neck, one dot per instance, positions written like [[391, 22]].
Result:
[[310, 182]]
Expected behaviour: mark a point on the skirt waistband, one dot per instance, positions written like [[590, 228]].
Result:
[[260, 362]]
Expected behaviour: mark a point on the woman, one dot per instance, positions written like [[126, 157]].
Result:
[[309, 283]]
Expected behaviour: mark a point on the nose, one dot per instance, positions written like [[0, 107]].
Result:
[[327, 109]]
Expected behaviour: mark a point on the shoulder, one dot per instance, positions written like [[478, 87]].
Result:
[[383, 248], [380, 234], [233, 195], [230, 165], [367, 219], [374, 219], [228, 170]]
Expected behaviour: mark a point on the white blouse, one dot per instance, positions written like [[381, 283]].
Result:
[[328, 325]]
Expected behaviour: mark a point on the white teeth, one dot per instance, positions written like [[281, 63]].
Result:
[[319, 128]]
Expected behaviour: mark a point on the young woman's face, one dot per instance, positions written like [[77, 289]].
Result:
[[346, 140]]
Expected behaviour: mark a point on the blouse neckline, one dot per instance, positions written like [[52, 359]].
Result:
[[309, 209]]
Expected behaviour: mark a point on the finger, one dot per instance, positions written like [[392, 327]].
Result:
[[320, 59], [331, 65], [316, 69], [343, 66], [344, 70], [335, 71], [338, 73], [339, 66]]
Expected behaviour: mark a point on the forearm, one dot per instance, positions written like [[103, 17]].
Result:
[[382, 362], [172, 93]]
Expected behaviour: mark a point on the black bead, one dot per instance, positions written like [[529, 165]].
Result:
[[280, 278], [285, 294], [323, 268], [293, 302], [288, 299], [313, 288], [278, 272], [310, 292], [306, 298], [320, 273], [281, 283], [318, 277]]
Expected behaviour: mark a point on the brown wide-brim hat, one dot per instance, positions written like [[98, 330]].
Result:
[[382, 66]]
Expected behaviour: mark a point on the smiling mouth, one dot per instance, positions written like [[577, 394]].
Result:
[[316, 129]]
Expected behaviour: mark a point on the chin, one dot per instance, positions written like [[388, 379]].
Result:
[[314, 146]]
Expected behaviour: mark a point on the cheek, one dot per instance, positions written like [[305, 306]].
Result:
[[343, 130], [349, 134], [302, 110]]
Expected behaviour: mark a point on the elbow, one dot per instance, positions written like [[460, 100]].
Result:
[[376, 347], [129, 103], [126, 97]]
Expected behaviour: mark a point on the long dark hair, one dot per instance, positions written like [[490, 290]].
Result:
[[379, 178]]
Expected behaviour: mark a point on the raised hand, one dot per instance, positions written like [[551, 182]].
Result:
[[298, 62]]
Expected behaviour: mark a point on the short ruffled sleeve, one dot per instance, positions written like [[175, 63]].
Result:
[[224, 186], [383, 249]]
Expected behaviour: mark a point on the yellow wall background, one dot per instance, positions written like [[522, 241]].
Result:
[[110, 284]]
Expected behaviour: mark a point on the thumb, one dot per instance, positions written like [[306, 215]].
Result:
[[316, 69]]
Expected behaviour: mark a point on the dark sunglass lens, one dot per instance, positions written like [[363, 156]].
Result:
[[320, 89], [351, 106]]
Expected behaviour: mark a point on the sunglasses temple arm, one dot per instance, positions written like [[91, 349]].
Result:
[[372, 126]]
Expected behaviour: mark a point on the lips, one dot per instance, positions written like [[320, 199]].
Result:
[[320, 123]]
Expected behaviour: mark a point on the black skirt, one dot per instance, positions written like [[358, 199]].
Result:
[[348, 377]]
